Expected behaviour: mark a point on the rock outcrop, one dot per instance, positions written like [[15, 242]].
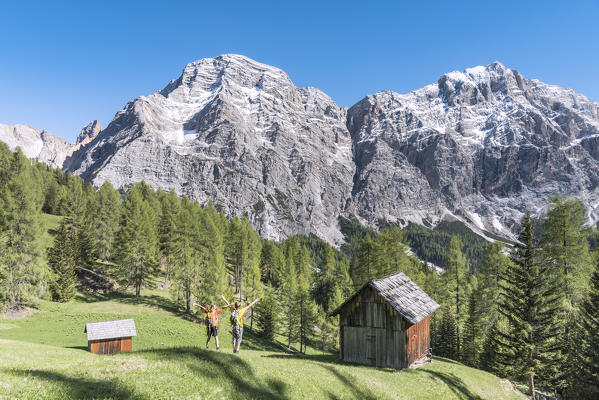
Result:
[[40, 145]]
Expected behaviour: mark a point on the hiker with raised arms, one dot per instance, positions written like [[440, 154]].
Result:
[[211, 322], [237, 320]]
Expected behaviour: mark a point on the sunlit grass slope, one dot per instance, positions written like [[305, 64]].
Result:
[[45, 356]]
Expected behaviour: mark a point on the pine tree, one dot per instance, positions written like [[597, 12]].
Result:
[[495, 349], [271, 263], [565, 250], [531, 302], [325, 279], [445, 339], [472, 327], [456, 287], [587, 378], [492, 269], [267, 314], [61, 259]]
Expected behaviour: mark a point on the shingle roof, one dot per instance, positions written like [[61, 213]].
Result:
[[403, 295], [110, 329]]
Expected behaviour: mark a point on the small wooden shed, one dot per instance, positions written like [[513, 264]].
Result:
[[110, 337], [385, 323]]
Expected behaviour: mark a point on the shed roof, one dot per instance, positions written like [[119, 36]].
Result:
[[402, 294], [110, 329]]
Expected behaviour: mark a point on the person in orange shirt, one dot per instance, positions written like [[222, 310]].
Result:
[[211, 322]]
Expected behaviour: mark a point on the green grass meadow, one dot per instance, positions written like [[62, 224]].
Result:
[[44, 356]]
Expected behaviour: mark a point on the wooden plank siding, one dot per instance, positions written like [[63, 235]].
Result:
[[372, 333], [418, 337], [110, 346]]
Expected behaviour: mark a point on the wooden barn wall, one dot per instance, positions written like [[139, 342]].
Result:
[[110, 346], [418, 339], [372, 333]]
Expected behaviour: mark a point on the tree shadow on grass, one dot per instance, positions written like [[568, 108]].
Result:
[[154, 301], [357, 391], [325, 358], [86, 348], [331, 358], [253, 341], [454, 383], [81, 388], [233, 369]]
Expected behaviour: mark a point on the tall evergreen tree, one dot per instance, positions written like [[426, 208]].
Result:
[[363, 269], [252, 278], [267, 314], [389, 254], [586, 379], [211, 245], [491, 271], [137, 245], [565, 250], [445, 343], [325, 279], [272, 263], [187, 265], [105, 220], [495, 350], [456, 287], [472, 336], [237, 252], [21, 268], [61, 259], [531, 302], [289, 303]]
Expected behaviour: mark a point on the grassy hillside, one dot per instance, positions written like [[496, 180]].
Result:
[[45, 356]]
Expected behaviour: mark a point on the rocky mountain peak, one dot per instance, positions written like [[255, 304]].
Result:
[[239, 133], [89, 132]]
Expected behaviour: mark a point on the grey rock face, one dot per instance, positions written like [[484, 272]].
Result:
[[483, 145], [40, 145], [89, 132], [238, 133]]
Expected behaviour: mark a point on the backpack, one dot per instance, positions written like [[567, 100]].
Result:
[[209, 318], [235, 318]]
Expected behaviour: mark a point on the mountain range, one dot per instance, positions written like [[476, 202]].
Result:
[[481, 146]]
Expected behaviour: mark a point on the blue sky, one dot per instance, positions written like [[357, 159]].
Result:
[[64, 64]]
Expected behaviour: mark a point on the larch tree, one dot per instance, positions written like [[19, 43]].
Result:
[[21, 268], [137, 244], [105, 220]]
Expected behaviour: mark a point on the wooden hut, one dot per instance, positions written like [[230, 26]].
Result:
[[385, 323], [110, 337]]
